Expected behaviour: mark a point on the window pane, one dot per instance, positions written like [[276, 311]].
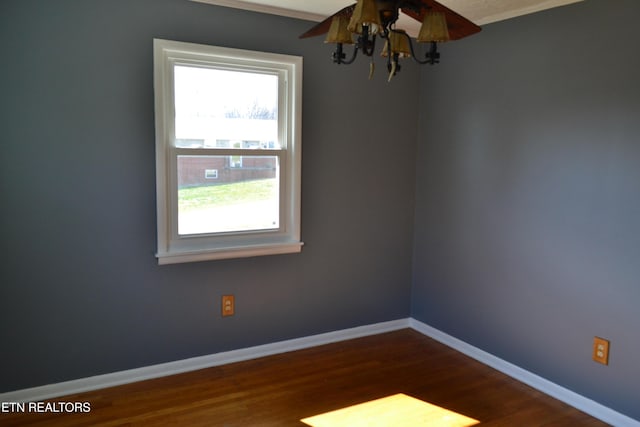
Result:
[[241, 195], [225, 109]]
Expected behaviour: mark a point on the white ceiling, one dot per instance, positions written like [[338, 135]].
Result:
[[479, 11]]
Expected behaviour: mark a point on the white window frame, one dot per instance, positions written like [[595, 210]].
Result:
[[175, 248]]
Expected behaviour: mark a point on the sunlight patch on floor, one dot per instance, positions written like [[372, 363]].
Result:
[[398, 410]]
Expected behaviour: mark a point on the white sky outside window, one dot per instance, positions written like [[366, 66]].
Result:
[[206, 97]]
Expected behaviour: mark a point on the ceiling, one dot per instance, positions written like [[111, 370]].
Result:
[[479, 11]]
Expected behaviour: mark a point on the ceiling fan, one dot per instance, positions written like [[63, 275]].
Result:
[[369, 19]]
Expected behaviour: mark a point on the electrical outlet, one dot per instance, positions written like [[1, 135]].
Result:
[[601, 350], [228, 305]]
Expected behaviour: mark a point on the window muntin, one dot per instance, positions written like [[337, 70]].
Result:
[[235, 112]]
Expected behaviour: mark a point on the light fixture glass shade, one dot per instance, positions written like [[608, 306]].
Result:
[[434, 28], [365, 13], [399, 41], [338, 32]]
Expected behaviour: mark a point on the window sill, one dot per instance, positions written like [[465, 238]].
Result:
[[230, 252]]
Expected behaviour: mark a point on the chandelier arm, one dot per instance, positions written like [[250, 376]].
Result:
[[368, 46], [339, 55], [353, 56], [432, 57]]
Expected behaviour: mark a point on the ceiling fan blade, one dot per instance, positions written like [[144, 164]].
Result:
[[323, 27], [459, 26]]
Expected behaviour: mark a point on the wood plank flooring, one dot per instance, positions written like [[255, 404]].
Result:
[[281, 390]]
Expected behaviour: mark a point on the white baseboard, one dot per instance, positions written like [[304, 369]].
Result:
[[156, 371], [569, 397], [180, 366]]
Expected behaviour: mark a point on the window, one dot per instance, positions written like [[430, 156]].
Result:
[[228, 152], [211, 173]]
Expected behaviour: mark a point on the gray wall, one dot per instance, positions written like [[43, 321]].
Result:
[[80, 289], [527, 236]]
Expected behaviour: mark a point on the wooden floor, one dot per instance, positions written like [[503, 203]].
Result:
[[283, 389]]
